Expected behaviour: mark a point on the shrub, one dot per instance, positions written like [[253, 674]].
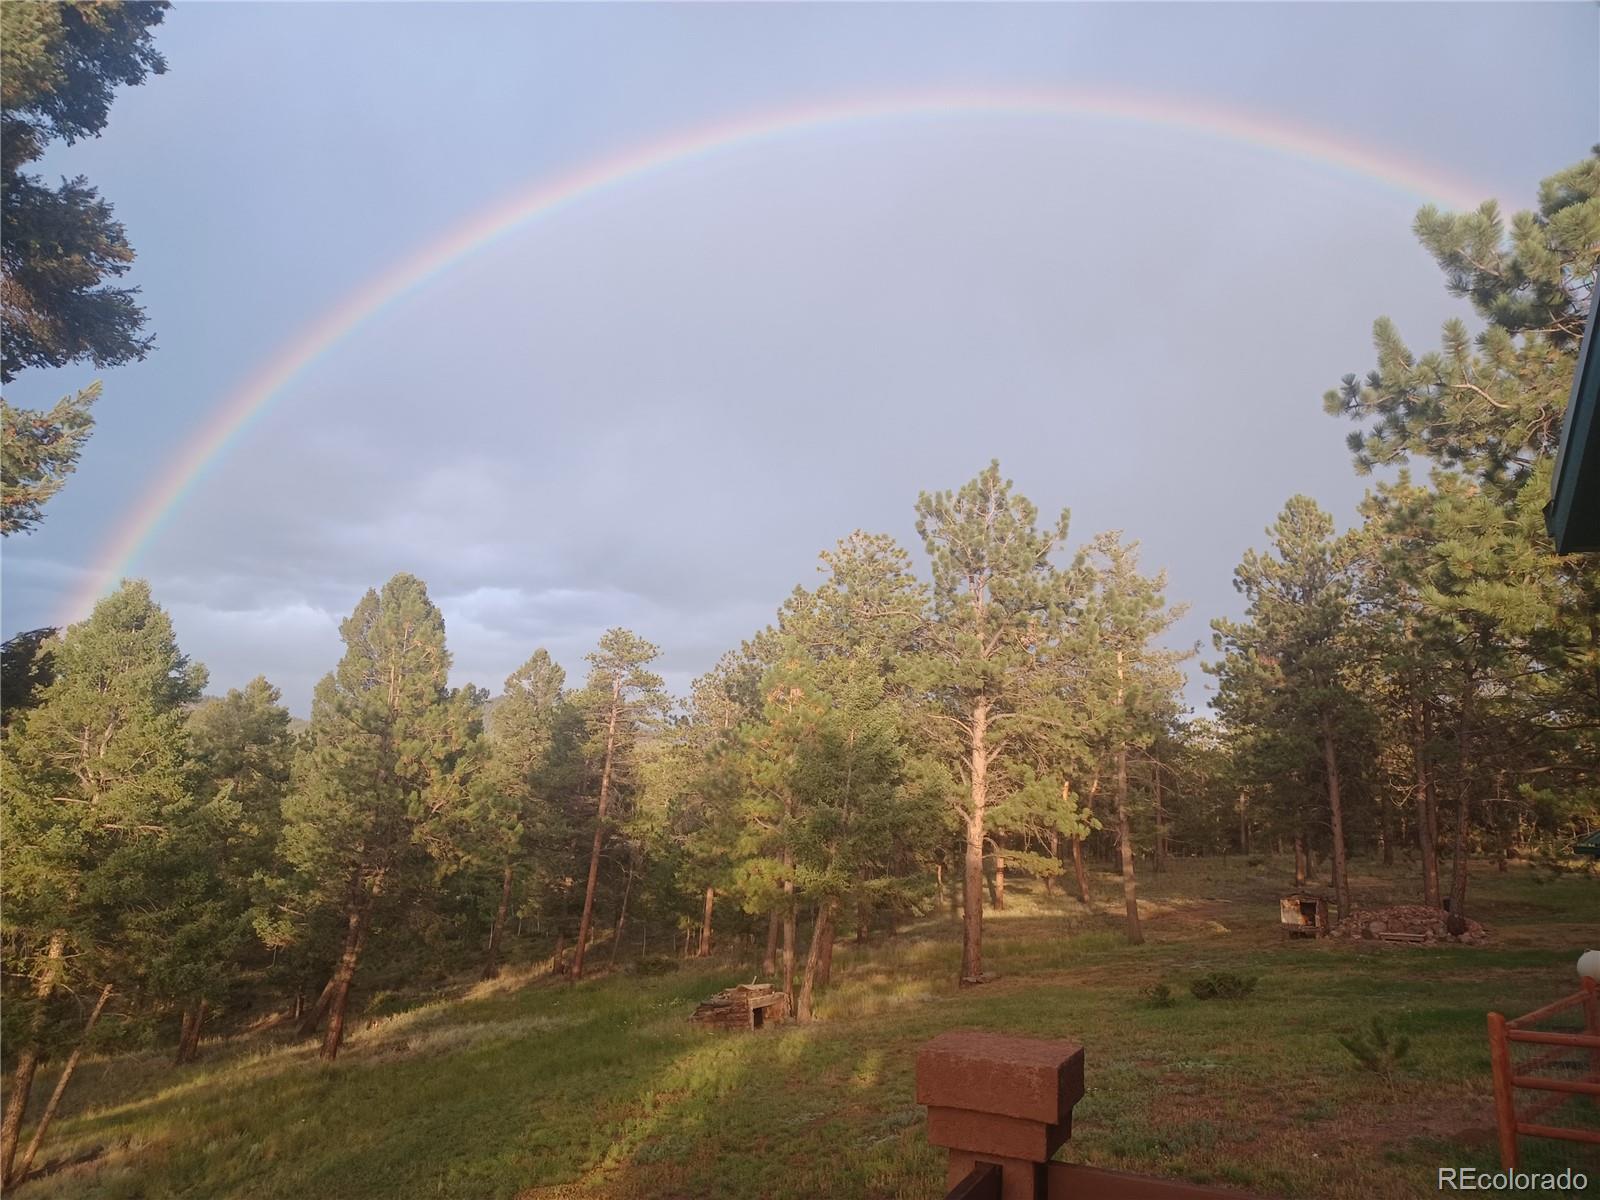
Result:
[[1158, 995], [1222, 985], [1381, 1052], [655, 964]]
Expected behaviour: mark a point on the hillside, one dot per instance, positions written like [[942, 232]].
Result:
[[527, 1087]]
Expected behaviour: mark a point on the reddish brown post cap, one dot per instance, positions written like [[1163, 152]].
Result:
[[1005, 1101], [1034, 1079]]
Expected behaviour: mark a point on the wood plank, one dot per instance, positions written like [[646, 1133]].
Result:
[[1585, 1040], [1591, 1136], [1069, 1180], [981, 1183], [1539, 1083], [1550, 1009]]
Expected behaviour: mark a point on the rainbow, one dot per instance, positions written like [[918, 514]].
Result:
[[235, 415]]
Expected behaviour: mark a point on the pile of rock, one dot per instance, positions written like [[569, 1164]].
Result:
[[1415, 923]]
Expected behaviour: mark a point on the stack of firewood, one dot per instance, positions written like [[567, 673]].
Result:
[[730, 1009]]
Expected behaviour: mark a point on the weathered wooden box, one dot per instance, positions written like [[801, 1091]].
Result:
[[1303, 914]]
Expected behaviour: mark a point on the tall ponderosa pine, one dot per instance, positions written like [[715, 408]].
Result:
[[98, 793], [60, 65], [1132, 681], [621, 696], [243, 750], [1288, 664], [829, 778], [988, 662], [1514, 628], [389, 752], [515, 812]]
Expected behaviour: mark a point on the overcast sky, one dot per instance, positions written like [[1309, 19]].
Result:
[[656, 407]]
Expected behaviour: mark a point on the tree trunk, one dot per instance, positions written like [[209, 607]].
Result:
[[1130, 886], [1502, 826], [972, 890], [1079, 868], [1330, 760], [788, 925], [1458, 866], [769, 964], [999, 881], [1386, 830], [355, 936], [29, 1058], [491, 966], [312, 1017], [599, 831], [1161, 819], [1055, 858], [558, 960], [185, 1023], [622, 909], [705, 925], [54, 1102], [825, 966], [189, 1038], [1427, 819], [1300, 860], [1244, 825], [808, 982]]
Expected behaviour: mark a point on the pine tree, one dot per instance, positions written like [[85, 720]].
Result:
[[1133, 682], [1520, 624], [1287, 665], [389, 752], [60, 65], [515, 813], [242, 749], [828, 773], [38, 451], [987, 664], [98, 790], [25, 671], [621, 696]]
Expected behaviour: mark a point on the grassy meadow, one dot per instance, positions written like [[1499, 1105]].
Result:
[[528, 1088]]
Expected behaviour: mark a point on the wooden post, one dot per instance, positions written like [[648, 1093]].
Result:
[[1002, 1106], [1505, 1109], [1591, 1026], [999, 1101]]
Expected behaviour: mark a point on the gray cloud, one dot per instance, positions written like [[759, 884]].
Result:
[[654, 408]]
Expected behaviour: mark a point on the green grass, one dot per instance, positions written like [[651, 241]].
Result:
[[529, 1088]]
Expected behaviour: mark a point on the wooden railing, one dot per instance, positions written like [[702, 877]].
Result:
[[1002, 1106], [1511, 1076]]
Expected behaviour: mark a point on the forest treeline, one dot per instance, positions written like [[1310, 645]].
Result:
[[906, 734]]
